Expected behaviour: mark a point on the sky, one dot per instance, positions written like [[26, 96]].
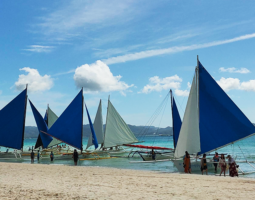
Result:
[[134, 51]]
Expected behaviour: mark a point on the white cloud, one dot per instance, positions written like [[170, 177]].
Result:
[[158, 84], [97, 77], [39, 48], [229, 83], [248, 86], [234, 70], [189, 85], [175, 49], [35, 81], [235, 84], [183, 93]]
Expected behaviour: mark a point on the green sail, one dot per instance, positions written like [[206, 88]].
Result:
[[52, 117]]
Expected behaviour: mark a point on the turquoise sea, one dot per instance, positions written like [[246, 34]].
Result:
[[241, 150]]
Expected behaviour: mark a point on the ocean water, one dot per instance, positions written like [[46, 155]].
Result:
[[242, 150]]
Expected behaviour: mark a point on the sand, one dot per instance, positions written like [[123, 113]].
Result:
[[37, 181]]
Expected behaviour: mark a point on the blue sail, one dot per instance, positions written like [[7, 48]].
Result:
[[177, 123], [46, 118], [221, 121], [12, 122], [39, 142], [42, 126], [69, 126], [94, 138]]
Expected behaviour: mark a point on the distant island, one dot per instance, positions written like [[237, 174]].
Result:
[[32, 131]]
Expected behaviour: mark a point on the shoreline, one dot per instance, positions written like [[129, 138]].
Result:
[[43, 181]]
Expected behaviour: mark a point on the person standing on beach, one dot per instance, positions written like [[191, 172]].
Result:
[[153, 155], [232, 166], [204, 164], [187, 166], [75, 157], [215, 160], [32, 156], [38, 155], [51, 156], [222, 164]]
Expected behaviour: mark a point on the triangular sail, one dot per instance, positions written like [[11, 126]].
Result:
[[39, 140], [12, 122], [117, 131], [189, 138], [177, 123], [52, 117], [42, 126], [93, 134], [98, 127], [221, 121], [69, 126]]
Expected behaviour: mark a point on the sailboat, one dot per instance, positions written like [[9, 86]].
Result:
[[98, 128], [45, 141], [49, 118], [117, 133], [68, 128], [12, 126], [211, 121], [162, 154]]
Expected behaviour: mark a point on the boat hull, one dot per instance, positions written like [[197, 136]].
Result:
[[163, 156]]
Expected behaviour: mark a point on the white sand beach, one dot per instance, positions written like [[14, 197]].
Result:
[[36, 181]]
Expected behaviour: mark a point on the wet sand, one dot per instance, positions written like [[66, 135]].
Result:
[[37, 181]]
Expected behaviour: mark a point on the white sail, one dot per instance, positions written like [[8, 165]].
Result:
[[98, 127], [52, 117], [189, 138], [117, 131]]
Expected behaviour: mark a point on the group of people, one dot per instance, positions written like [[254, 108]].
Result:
[[217, 162], [32, 155]]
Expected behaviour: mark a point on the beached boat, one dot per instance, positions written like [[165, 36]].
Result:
[[98, 128], [211, 121], [117, 133], [68, 128], [160, 154], [12, 126]]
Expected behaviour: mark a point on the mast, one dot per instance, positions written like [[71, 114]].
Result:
[[47, 113], [82, 120], [171, 97], [106, 118], [197, 75], [24, 122]]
